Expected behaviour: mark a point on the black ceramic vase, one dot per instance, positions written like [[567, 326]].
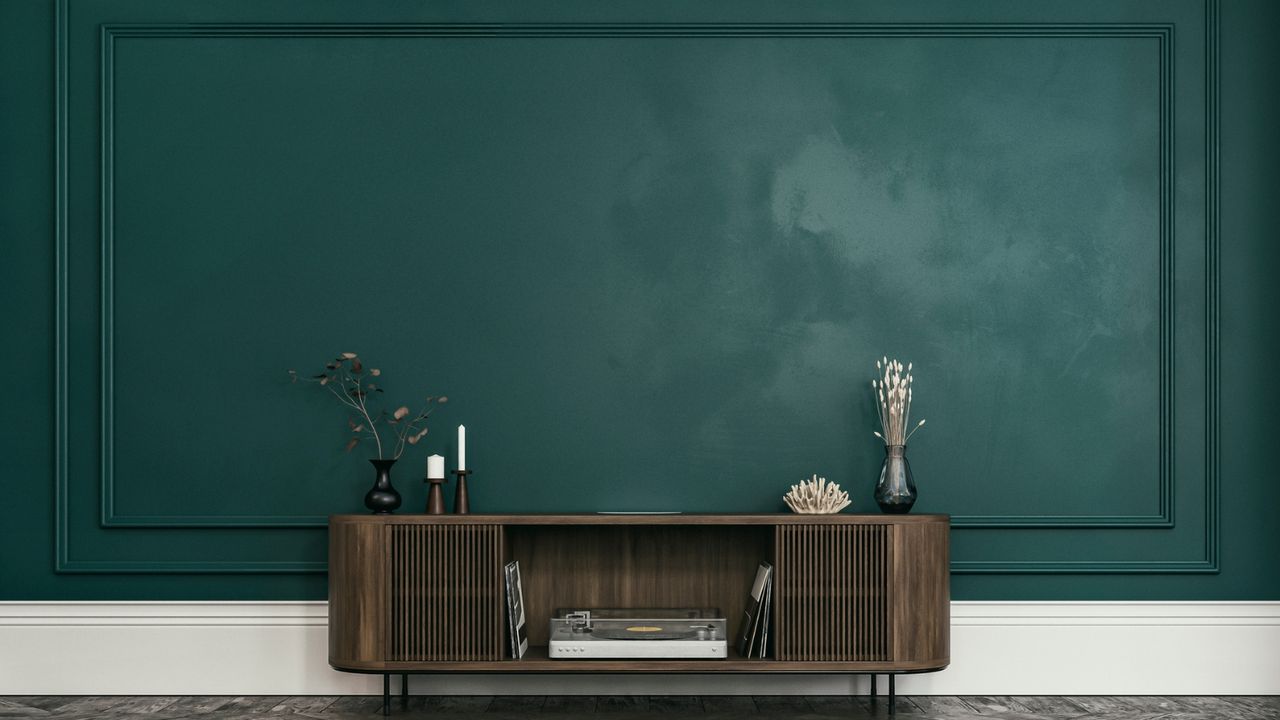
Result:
[[896, 491], [382, 498]]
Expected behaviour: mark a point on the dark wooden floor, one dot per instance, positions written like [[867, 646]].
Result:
[[624, 707]]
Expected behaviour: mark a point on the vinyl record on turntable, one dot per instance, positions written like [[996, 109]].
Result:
[[643, 632]]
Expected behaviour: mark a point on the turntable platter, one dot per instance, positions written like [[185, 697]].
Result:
[[643, 632]]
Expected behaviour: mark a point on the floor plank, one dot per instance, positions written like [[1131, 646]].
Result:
[[878, 707], [10, 708], [678, 705], [1263, 706], [1054, 705], [622, 703], [1219, 707], [196, 705], [1160, 703], [995, 704], [781, 704], [943, 706], [304, 704], [835, 706], [728, 705], [516, 704], [1098, 704], [569, 704], [144, 704], [356, 706], [85, 705], [789, 707], [454, 704], [251, 704]]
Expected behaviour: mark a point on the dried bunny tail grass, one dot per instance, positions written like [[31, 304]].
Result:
[[913, 431], [892, 390]]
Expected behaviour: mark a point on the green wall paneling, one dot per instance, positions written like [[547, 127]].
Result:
[[1160, 33], [186, 193]]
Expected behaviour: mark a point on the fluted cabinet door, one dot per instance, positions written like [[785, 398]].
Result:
[[415, 593], [832, 590], [445, 593]]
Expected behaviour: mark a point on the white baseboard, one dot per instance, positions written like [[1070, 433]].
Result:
[[998, 648]]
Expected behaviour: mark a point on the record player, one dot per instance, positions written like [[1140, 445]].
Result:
[[671, 633]]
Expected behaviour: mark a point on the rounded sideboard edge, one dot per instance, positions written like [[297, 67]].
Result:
[[424, 593]]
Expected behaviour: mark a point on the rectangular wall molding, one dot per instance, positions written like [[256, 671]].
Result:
[[998, 648], [113, 516], [110, 516]]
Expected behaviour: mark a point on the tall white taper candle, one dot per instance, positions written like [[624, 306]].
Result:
[[462, 447]]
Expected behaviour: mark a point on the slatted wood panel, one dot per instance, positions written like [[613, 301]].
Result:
[[446, 593], [832, 593]]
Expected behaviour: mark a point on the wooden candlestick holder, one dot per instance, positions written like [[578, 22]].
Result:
[[460, 504], [435, 496]]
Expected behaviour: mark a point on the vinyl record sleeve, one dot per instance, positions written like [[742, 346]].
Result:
[[747, 634], [515, 612]]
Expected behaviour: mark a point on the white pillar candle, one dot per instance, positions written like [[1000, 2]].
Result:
[[462, 447], [435, 467]]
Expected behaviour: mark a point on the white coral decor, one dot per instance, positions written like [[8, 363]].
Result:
[[816, 497]]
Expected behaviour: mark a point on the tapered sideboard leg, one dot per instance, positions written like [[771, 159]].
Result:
[[386, 693], [404, 686], [873, 686], [893, 695]]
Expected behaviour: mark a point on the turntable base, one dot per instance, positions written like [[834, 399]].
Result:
[[639, 634]]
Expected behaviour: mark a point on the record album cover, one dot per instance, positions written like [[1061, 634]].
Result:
[[515, 612], [749, 635]]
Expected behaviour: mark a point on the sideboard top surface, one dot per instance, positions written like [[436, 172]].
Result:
[[643, 519]]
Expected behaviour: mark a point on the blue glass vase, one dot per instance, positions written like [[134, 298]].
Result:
[[896, 491]]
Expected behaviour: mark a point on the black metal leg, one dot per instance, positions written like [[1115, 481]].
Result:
[[404, 686], [893, 695], [386, 693], [873, 686]]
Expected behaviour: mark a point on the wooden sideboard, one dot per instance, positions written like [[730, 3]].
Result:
[[413, 594]]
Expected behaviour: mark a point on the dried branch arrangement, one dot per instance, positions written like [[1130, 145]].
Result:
[[816, 497], [346, 378], [892, 389]]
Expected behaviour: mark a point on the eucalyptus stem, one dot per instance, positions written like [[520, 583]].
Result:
[[345, 378]]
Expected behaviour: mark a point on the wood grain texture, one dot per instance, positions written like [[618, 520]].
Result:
[[853, 593], [832, 592], [658, 566], [357, 593], [445, 591], [921, 592], [770, 519]]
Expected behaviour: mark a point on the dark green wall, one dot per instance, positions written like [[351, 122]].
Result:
[[651, 252]]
